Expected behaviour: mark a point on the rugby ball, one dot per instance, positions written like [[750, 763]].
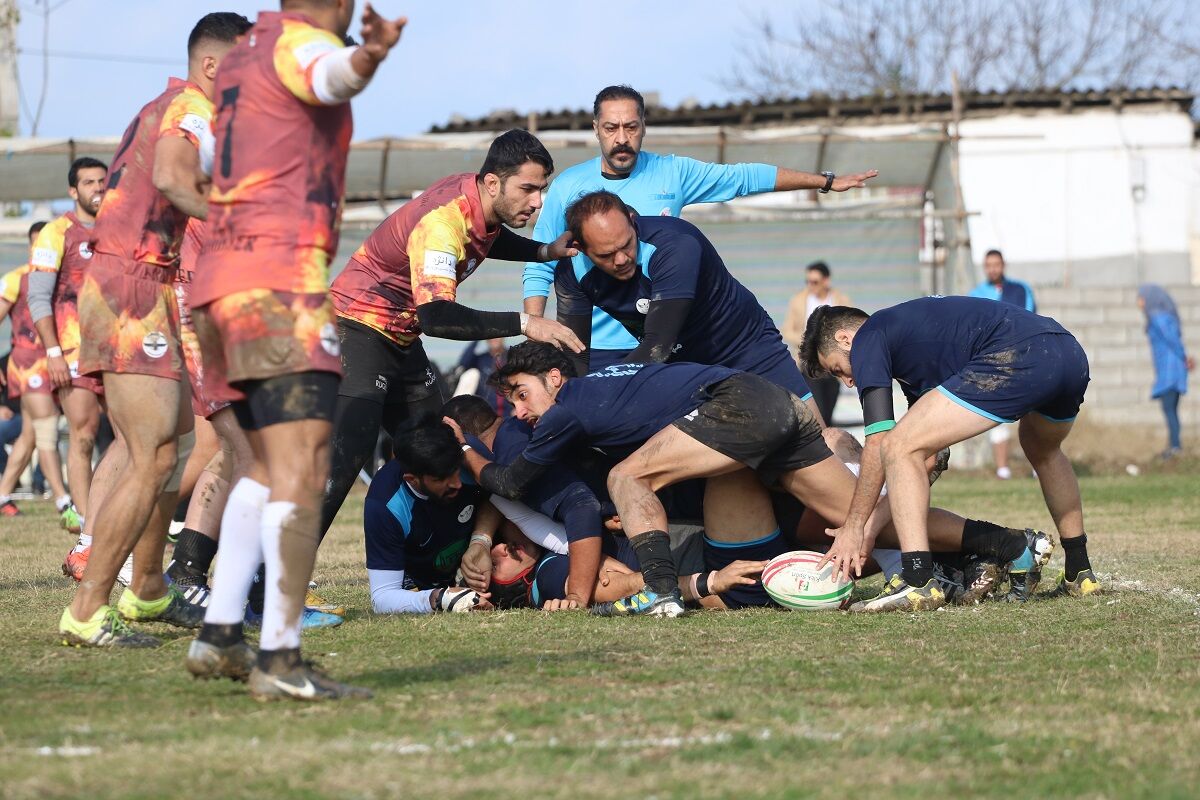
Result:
[[793, 581]]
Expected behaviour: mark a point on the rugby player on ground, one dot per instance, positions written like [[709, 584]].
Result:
[[61, 253], [261, 309], [683, 421], [653, 185], [129, 333], [989, 363], [403, 281], [29, 380]]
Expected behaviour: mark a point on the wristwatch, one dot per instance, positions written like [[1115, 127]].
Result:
[[829, 176]]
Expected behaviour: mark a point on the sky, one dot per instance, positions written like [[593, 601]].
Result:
[[455, 57]]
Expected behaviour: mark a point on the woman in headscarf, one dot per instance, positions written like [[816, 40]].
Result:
[[1171, 361]]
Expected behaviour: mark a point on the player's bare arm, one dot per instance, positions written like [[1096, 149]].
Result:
[[477, 561], [178, 176], [787, 180]]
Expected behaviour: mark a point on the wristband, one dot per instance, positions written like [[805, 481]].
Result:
[[524, 322], [702, 584], [543, 253], [482, 539], [54, 352], [466, 447]]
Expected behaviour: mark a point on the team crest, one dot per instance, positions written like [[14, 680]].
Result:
[[466, 513], [85, 251], [154, 344], [643, 305], [35, 381], [329, 340]]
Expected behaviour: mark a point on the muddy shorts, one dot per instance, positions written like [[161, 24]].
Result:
[[66, 319], [27, 373], [378, 369], [128, 320], [259, 334], [1046, 374], [203, 405], [757, 423]]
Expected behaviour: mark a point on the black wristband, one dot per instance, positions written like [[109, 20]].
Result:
[[702, 585]]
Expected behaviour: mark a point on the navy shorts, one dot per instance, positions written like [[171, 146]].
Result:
[[718, 555], [1046, 374]]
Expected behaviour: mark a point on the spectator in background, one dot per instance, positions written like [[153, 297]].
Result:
[[10, 416], [817, 292], [476, 367], [997, 287], [1171, 361]]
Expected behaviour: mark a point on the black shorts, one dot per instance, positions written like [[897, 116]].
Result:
[[376, 368], [758, 424], [286, 398]]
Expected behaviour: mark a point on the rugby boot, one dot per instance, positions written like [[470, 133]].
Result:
[[643, 604], [207, 661], [70, 520], [949, 579], [171, 608], [897, 595], [9, 509], [310, 619], [104, 629], [1085, 584], [194, 589], [302, 682], [75, 563], [940, 465], [317, 603], [1025, 573], [981, 577]]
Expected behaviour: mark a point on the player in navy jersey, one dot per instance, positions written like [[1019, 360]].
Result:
[[655, 185], [662, 279], [965, 365], [672, 423], [422, 523]]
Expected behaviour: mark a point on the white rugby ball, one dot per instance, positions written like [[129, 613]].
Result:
[[793, 581]]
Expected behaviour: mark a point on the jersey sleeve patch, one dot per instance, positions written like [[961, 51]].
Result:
[[45, 257], [296, 52], [440, 265]]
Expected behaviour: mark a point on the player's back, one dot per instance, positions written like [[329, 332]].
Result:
[[279, 167], [16, 292]]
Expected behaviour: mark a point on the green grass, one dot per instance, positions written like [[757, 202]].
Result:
[[1086, 698]]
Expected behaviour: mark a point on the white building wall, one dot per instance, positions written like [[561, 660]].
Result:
[[1056, 192]]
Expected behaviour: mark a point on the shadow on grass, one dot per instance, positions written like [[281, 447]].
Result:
[[453, 668]]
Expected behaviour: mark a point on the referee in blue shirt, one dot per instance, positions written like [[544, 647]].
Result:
[[653, 185]]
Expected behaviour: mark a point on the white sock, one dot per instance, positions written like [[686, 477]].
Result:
[[240, 552], [85, 541], [62, 503], [282, 618], [4, 498]]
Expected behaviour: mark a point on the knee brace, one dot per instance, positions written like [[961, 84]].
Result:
[[183, 451], [45, 433]]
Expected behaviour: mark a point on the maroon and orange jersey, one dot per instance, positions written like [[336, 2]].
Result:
[[63, 247], [14, 287], [137, 223], [418, 254], [280, 166]]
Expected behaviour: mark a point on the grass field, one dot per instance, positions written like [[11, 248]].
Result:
[[1086, 698]]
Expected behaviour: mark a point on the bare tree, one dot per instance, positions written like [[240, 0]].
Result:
[[911, 46]]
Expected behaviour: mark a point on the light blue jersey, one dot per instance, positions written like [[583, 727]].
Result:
[[658, 186]]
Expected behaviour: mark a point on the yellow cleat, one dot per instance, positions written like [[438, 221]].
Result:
[[1085, 584], [318, 603]]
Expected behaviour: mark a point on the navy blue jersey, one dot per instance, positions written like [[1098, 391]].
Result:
[[424, 538], [921, 343], [725, 325], [619, 407], [551, 573]]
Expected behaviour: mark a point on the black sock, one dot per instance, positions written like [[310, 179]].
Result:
[[653, 550], [916, 567], [1077, 557], [181, 508], [992, 541], [258, 590], [221, 635], [277, 661], [192, 557]]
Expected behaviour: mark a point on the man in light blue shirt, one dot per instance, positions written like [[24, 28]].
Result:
[[653, 185], [997, 287]]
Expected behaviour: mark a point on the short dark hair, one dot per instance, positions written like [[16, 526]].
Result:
[[590, 205], [819, 266], [471, 412], [219, 26], [36, 228], [427, 446], [531, 358], [994, 252], [619, 91], [84, 162], [513, 148], [824, 322]]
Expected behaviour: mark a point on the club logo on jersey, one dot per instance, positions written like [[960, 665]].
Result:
[[329, 340], [154, 344], [642, 305], [466, 513], [35, 381], [85, 251], [471, 266]]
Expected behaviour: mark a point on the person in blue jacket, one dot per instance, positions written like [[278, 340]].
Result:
[[1171, 361], [653, 185]]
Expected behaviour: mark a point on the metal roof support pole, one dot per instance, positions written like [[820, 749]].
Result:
[[961, 276], [383, 171]]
